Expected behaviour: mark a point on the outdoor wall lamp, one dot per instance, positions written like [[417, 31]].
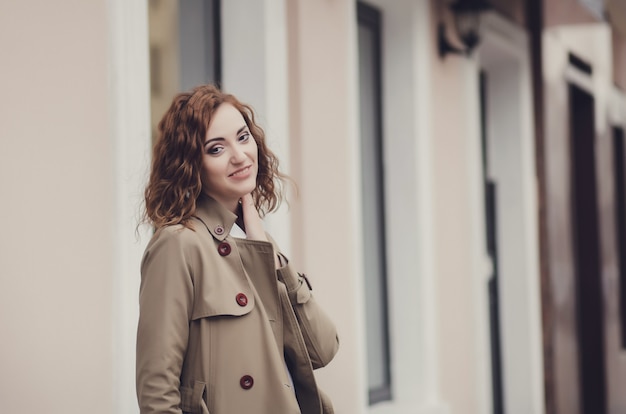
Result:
[[466, 21]]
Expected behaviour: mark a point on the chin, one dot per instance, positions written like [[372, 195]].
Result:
[[249, 189], [252, 184], [243, 190]]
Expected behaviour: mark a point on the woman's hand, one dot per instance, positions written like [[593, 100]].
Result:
[[253, 223], [251, 219]]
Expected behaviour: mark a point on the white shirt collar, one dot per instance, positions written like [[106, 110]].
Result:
[[237, 231]]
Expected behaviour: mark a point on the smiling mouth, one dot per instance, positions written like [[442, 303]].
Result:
[[242, 171]]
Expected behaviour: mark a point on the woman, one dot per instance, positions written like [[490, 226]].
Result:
[[226, 325]]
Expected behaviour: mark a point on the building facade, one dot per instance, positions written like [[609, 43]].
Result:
[[460, 217]]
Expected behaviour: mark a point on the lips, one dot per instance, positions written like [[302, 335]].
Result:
[[241, 172]]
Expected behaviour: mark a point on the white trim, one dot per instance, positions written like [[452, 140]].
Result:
[[481, 264], [258, 37], [503, 54], [617, 108], [130, 132], [277, 108], [433, 402], [353, 142], [409, 208]]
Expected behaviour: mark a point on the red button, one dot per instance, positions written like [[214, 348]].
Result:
[[246, 382], [219, 230], [242, 300], [223, 249]]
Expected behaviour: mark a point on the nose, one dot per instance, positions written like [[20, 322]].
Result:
[[238, 155]]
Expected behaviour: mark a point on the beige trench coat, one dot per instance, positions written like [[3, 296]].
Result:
[[218, 325]]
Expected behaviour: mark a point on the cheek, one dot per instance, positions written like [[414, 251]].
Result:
[[255, 151], [208, 170]]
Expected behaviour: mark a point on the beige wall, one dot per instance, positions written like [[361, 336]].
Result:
[[56, 183], [453, 261], [458, 246], [58, 261], [323, 162]]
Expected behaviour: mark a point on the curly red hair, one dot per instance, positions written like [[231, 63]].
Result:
[[175, 184]]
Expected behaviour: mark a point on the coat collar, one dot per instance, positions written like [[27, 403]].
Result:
[[217, 218]]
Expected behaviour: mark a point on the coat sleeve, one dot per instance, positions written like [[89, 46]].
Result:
[[319, 332], [165, 305]]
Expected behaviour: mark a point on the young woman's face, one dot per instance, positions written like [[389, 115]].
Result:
[[230, 158]]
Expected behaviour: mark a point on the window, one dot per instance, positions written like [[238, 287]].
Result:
[[373, 203], [184, 49]]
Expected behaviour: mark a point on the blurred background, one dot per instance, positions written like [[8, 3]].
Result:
[[461, 191]]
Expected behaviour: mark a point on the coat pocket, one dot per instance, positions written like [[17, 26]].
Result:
[[192, 399], [227, 301]]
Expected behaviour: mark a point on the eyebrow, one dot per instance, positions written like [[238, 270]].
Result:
[[239, 131]]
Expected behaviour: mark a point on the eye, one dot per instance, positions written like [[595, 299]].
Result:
[[215, 149], [244, 137]]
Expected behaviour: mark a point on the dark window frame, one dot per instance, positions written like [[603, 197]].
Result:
[[371, 18], [491, 230], [217, 41], [620, 221]]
